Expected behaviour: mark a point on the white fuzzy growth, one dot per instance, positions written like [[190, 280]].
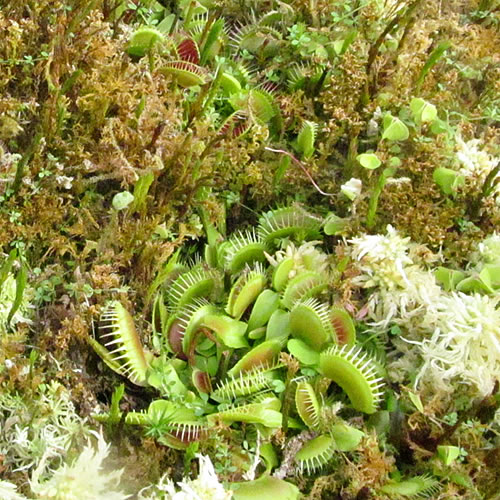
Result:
[[306, 257], [465, 342], [403, 290], [352, 188], [8, 492], [475, 163], [25, 441], [458, 335], [205, 487], [84, 479]]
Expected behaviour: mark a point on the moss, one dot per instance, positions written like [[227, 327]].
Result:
[[81, 120]]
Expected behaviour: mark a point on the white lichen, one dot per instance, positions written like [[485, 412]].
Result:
[[472, 160], [453, 336], [85, 479], [8, 491], [475, 163], [205, 487], [42, 427], [390, 266], [465, 342]]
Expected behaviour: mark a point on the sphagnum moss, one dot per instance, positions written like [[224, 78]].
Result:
[[82, 120]]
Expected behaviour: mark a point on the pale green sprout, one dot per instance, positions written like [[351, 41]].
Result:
[[423, 111], [394, 129], [448, 454], [448, 180], [415, 399], [369, 161], [122, 200]]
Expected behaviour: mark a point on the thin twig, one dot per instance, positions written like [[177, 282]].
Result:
[[304, 169]]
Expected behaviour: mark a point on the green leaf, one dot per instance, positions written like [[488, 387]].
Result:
[[7, 266], [449, 278], [143, 40], [395, 129], [306, 138], [305, 354], [230, 85], [490, 274], [114, 411], [415, 399], [337, 46], [475, 284], [214, 34], [369, 160], [351, 36], [394, 161], [283, 166], [265, 488], [21, 282], [122, 200], [448, 454], [335, 225], [436, 54], [423, 111], [442, 127], [448, 180], [346, 438], [141, 189]]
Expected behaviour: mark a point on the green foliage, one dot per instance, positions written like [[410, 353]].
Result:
[[423, 111], [448, 180], [205, 327], [306, 138], [145, 107], [369, 161], [394, 129]]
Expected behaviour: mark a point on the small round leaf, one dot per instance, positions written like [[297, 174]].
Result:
[[369, 160], [122, 200]]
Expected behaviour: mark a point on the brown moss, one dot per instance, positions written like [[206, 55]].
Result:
[[370, 469]]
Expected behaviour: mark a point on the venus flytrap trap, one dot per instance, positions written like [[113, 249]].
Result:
[[416, 487], [224, 327]]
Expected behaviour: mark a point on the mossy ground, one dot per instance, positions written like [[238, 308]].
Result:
[[81, 120]]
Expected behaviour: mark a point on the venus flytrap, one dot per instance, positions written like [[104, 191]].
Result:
[[224, 329], [306, 139], [424, 486]]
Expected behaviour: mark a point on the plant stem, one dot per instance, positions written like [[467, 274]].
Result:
[[377, 191]]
